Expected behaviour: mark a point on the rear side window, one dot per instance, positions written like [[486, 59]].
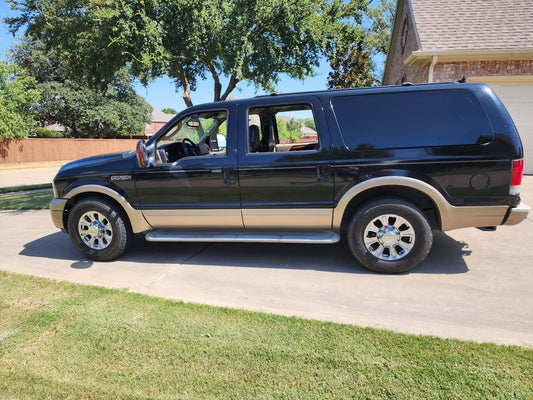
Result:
[[411, 119]]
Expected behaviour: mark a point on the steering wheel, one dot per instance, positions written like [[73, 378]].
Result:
[[189, 148]]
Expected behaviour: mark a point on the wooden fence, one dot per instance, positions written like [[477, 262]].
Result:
[[42, 150]]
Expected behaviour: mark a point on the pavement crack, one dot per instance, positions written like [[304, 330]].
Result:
[[175, 267]]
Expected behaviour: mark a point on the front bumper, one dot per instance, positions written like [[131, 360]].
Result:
[[517, 214], [57, 207]]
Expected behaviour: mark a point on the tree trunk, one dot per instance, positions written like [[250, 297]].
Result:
[[232, 84], [217, 86], [186, 87], [218, 89]]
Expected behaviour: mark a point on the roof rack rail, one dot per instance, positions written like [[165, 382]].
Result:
[[270, 94]]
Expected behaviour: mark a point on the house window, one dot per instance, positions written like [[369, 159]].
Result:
[[403, 37]]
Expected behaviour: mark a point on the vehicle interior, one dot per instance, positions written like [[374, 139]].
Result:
[[195, 135], [281, 128]]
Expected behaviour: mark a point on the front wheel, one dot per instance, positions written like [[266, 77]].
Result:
[[99, 229], [389, 235]]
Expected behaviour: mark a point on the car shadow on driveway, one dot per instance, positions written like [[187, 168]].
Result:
[[446, 256]]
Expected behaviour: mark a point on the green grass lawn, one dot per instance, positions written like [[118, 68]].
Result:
[[25, 187], [66, 341], [37, 200]]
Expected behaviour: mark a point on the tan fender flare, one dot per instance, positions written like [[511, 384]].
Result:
[[451, 217]]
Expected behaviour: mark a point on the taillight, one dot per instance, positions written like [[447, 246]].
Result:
[[516, 180]]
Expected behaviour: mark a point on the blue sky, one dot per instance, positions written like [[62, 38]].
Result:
[[162, 92]]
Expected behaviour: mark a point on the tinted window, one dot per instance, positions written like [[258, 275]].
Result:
[[411, 119]]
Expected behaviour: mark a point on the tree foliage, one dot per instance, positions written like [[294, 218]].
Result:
[[289, 130], [109, 111], [310, 123], [16, 100], [356, 68], [241, 40], [169, 111], [377, 37]]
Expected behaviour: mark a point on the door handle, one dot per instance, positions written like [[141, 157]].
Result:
[[229, 177], [323, 172]]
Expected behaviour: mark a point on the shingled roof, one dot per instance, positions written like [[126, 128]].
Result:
[[160, 116], [447, 25]]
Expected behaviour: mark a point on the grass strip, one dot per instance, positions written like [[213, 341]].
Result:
[[65, 341], [26, 200], [25, 188]]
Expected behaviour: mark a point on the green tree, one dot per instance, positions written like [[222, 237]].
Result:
[[310, 123], [288, 130], [294, 125], [109, 111], [242, 40], [16, 100], [377, 37], [354, 69], [169, 111]]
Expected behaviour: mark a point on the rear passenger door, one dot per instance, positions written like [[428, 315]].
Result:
[[284, 168]]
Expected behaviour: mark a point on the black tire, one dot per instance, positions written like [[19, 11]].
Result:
[[99, 229], [397, 234]]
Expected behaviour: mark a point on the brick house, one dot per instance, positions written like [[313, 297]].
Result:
[[159, 119], [487, 41]]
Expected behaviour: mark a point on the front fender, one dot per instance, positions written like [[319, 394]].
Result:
[[137, 221]]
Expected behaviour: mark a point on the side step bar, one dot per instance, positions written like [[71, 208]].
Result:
[[246, 237]]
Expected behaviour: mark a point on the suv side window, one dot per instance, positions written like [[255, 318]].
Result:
[[411, 119], [282, 128]]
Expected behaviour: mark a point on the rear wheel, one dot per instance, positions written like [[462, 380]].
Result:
[[389, 235], [99, 229]]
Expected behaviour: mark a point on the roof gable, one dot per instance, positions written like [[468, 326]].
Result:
[[160, 116]]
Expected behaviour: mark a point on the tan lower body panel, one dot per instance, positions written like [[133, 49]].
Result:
[[194, 218], [294, 219], [259, 219]]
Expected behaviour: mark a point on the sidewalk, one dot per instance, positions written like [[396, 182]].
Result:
[[28, 174]]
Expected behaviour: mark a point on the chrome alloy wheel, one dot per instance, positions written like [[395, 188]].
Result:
[[95, 230], [389, 237]]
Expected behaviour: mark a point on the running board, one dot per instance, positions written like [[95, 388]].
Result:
[[246, 237]]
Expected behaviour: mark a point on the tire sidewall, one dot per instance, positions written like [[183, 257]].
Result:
[[408, 211], [121, 231]]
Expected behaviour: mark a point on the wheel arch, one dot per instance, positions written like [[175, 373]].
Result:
[[417, 192], [135, 217]]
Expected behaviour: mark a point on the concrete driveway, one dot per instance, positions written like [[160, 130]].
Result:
[[474, 285]]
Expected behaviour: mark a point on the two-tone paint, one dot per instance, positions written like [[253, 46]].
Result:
[[290, 194]]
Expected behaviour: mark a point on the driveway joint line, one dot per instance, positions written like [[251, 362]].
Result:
[[164, 274]]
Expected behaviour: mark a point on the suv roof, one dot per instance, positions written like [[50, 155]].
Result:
[[405, 85]]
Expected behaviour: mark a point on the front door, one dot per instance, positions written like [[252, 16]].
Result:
[[194, 182]]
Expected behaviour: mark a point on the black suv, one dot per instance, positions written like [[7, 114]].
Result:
[[379, 167]]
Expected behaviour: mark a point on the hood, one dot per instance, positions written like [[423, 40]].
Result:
[[90, 164]]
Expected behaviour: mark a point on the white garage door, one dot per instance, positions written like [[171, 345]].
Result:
[[518, 98]]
